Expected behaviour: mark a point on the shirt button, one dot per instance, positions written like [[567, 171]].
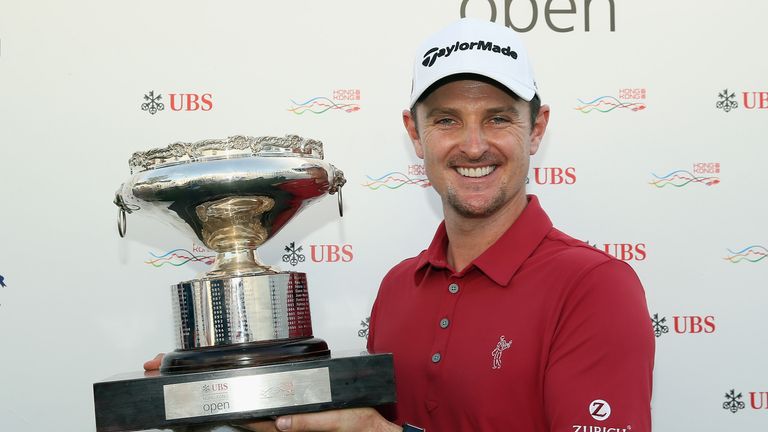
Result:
[[444, 323], [436, 358], [453, 288]]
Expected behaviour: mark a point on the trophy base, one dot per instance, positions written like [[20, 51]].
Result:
[[243, 355], [190, 401]]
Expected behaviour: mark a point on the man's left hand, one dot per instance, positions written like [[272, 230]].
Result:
[[345, 420]]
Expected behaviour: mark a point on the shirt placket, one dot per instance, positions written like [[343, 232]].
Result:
[[442, 322]]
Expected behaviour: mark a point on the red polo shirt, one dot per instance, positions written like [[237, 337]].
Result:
[[540, 333]]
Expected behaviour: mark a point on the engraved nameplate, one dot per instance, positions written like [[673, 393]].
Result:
[[247, 393]]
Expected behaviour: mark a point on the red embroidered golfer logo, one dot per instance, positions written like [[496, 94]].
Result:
[[498, 351]]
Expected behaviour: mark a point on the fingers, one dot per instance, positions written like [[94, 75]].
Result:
[[259, 426], [345, 420], [154, 364], [322, 421]]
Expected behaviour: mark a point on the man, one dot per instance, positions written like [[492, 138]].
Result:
[[504, 323]]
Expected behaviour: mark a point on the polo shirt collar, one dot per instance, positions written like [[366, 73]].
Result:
[[503, 258]]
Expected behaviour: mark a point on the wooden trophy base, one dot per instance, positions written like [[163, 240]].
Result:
[[157, 400]]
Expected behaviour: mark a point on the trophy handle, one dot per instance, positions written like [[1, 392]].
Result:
[[123, 208], [336, 184]]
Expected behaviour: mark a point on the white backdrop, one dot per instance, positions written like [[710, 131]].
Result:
[[638, 161]]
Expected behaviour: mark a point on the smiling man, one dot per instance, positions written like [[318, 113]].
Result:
[[503, 323]]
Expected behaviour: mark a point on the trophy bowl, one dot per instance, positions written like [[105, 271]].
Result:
[[233, 195]]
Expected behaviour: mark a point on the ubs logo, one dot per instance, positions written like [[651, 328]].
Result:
[[178, 102], [327, 253], [726, 101], [553, 176], [364, 326], [2, 283], [331, 253], [624, 251], [152, 103], [659, 325], [293, 254], [684, 324], [733, 402], [757, 401], [750, 100], [215, 387]]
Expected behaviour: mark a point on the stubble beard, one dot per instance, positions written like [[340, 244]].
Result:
[[466, 210]]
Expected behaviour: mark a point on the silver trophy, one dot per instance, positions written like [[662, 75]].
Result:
[[245, 346]]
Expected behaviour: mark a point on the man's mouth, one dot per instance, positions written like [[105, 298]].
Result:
[[476, 172]]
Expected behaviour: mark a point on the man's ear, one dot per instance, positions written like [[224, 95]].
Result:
[[410, 126], [538, 129]]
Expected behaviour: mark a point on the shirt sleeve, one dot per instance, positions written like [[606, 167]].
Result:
[[600, 365]]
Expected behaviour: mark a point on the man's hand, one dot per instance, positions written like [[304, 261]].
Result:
[[154, 364], [345, 420]]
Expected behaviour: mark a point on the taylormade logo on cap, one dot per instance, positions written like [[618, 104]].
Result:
[[431, 56], [473, 46]]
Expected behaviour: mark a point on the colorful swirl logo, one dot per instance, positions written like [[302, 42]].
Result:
[[179, 257], [320, 104], [682, 178], [751, 254], [395, 180], [606, 104]]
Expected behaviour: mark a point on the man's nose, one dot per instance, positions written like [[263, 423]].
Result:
[[474, 143]]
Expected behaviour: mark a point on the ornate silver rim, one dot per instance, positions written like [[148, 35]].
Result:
[[234, 146]]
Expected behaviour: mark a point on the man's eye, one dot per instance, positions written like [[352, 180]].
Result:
[[499, 120], [445, 121]]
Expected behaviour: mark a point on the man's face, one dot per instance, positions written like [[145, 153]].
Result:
[[476, 141]]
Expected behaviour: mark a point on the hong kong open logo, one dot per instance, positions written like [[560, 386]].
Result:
[[343, 100], [416, 175], [750, 254], [628, 99], [704, 174]]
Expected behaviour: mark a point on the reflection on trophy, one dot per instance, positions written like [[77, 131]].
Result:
[[245, 346]]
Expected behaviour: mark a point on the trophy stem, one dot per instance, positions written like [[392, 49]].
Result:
[[237, 262]]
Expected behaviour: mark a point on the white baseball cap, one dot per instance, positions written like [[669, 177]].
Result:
[[477, 47]]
